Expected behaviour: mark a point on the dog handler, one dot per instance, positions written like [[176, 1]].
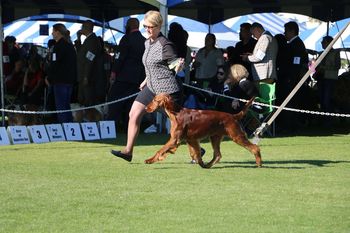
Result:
[[158, 58]]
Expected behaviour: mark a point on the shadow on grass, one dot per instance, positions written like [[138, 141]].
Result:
[[304, 164], [270, 164]]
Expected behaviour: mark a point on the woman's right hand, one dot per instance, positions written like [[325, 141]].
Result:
[[143, 84]]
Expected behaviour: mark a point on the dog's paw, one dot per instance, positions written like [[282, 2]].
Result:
[[149, 161]]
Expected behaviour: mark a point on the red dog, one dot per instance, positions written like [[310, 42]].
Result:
[[193, 125]]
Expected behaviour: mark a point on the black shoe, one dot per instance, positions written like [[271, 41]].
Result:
[[202, 152], [122, 155]]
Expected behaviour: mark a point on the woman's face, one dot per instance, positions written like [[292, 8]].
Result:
[[152, 30], [220, 74], [56, 35]]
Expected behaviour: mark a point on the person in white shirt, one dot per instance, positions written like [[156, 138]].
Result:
[[207, 61]]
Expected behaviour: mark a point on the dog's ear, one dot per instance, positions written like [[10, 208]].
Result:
[[171, 105]]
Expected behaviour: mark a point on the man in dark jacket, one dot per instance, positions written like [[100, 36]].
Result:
[[245, 45], [128, 71], [296, 65], [90, 65]]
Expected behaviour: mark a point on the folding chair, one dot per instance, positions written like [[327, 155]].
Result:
[[260, 114]]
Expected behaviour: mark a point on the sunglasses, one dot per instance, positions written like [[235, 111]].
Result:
[[221, 73], [149, 27]]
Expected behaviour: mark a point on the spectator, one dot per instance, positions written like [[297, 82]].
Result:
[[239, 86], [10, 55], [50, 44], [327, 76], [14, 82], [217, 86], [231, 58], [62, 71], [296, 65], [127, 73], [179, 37], [207, 61], [263, 58], [49, 103], [89, 66], [244, 46], [104, 66], [281, 68], [33, 84], [33, 55]]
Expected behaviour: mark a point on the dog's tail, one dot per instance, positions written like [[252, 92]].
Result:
[[244, 111]]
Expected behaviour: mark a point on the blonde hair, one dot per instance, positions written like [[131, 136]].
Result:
[[154, 17], [237, 73]]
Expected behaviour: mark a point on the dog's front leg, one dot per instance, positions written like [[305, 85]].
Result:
[[169, 147]]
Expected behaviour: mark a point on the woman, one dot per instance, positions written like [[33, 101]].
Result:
[[239, 86], [217, 85], [62, 71], [158, 56], [33, 84]]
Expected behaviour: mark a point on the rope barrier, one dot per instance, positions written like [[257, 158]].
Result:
[[273, 106], [68, 110]]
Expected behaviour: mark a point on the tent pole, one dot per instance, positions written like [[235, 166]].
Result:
[[103, 29], [327, 28], [1, 69], [164, 12]]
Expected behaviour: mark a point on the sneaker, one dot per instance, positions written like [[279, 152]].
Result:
[[193, 161], [202, 152], [151, 129]]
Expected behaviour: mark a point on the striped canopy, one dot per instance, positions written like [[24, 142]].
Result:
[[311, 30]]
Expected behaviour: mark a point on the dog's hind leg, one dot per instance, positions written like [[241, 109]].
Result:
[[215, 143], [192, 152], [242, 140], [195, 152]]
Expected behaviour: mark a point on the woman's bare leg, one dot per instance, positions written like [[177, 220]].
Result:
[[136, 113]]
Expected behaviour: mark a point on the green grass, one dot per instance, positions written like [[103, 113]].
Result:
[[304, 186]]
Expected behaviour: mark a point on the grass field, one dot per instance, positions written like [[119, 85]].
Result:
[[304, 186]]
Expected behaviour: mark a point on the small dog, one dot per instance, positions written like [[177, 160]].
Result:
[[87, 115], [193, 125], [24, 119]]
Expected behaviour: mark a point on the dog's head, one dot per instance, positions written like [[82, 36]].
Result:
[[159, 101], [164, 101], [22, 118]]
